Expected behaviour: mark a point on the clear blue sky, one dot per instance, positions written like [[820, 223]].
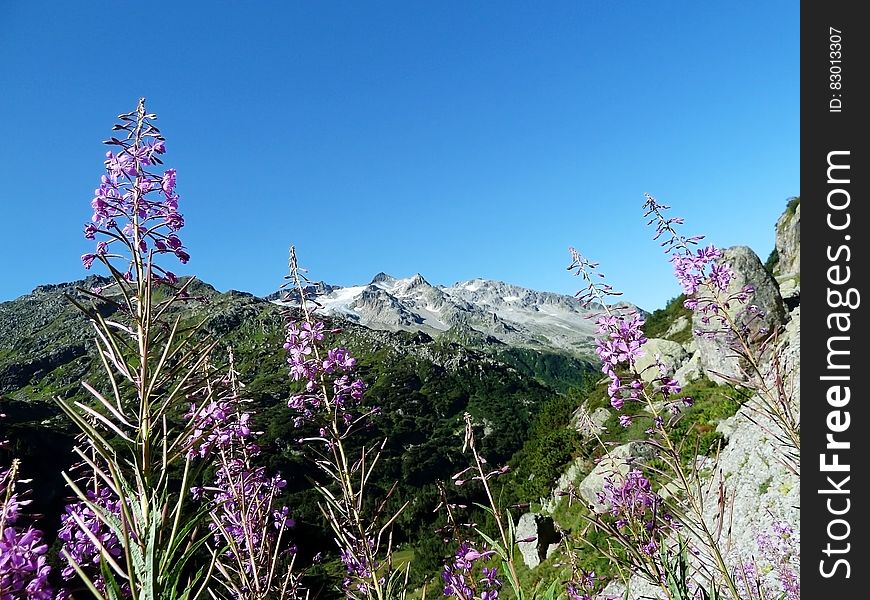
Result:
[[457, 139]]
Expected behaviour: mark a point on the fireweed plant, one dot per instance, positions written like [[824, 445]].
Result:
[[733, 317], [459, 580], [478, 570], [330, 401], [653, 536], [129, 533], [24, 570], [134, 529], [251, 555]]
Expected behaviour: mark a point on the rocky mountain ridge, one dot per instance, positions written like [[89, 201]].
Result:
[[482, 309]]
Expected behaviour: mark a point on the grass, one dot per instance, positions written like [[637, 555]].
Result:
[[660, 321]]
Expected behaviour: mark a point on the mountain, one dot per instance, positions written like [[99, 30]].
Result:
[[479, 311], [423, 384]]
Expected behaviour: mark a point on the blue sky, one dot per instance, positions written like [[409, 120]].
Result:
[[457, 139]]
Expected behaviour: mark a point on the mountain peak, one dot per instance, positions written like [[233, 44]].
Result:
[[382, 278], [508, 313], [416, 280]]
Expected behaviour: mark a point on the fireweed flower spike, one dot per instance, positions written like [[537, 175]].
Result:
[[636, 517], [461, 583], [80, 524], [24, 569], [329, 406], [129, 532], [725, 312], [248, 526], [136, 206]]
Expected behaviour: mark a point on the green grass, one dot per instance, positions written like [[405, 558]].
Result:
[[658, 323]]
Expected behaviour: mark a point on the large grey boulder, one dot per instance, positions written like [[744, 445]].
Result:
[[690, 371], [716, 353], [543, 538], [672, 354]]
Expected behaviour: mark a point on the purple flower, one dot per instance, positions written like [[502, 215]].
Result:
[[78, 544], [142, 204], [670, 386], [458, 580], [23, 568], [174, 220], [167, 182]]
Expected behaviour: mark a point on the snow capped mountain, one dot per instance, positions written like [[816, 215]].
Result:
[[478, 309]]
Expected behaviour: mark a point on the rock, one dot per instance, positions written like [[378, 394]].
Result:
[[677, 326], [566, 485], [589, 424], [788, 239], [546, 538], [790, 290], [670, 353], [760, 491], [690, 371], [614, 466], [718, 360]]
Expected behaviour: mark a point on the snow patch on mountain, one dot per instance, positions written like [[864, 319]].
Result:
[[508, 313]]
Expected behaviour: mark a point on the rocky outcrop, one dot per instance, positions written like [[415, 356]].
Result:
[[542, 535], [788, 239], [718, 360], [760, 487], [788, 249], [691, 370], [756, 490], [671, 354]]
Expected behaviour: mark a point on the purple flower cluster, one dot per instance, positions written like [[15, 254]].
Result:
[[619, 343], [309, 361], [694, 269], [217, 424], [636, 508], [243, 501], [133, 206], [583, 587], [779, 551], [704, 280], [461, 583], [78, 545], [23, 568], [242, 496], [359, 568]]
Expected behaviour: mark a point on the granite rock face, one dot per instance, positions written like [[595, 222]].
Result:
[[788, 248], [543, 538], [718, 360], [671, 354], [788, 241]]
